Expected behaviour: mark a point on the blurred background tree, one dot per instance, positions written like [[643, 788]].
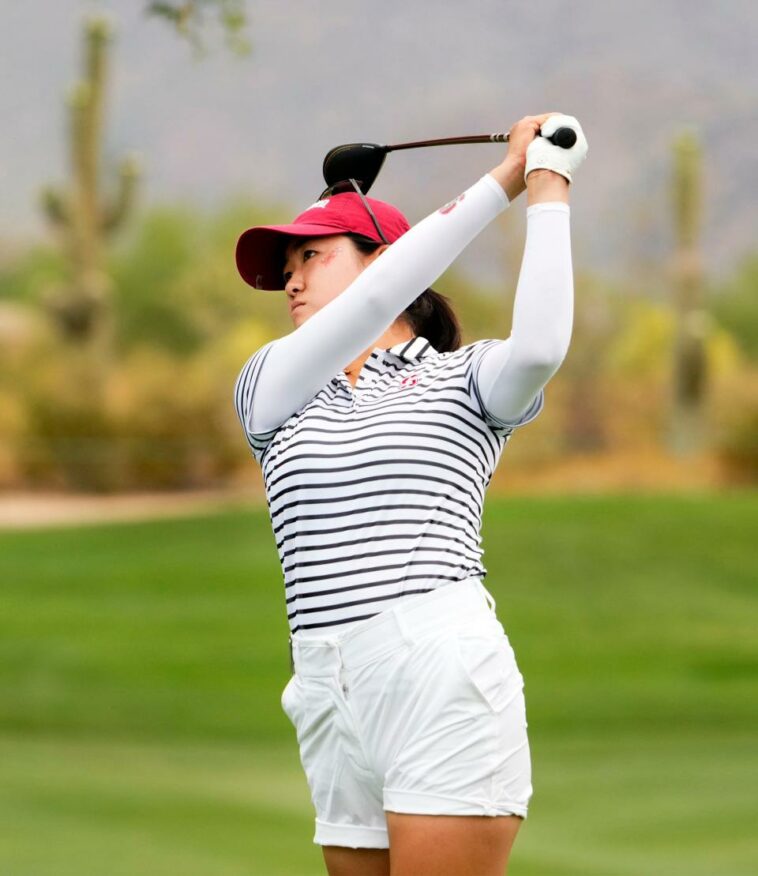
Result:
[[190, 18], [73, 420], [129, 385], [84, 218]]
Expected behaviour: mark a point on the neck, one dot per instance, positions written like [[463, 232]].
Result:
[[394, 335]]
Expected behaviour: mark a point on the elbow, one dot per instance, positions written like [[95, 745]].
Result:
[[543, 359]]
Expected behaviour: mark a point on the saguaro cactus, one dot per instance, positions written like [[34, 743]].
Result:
[[686, 425], [74, 424], [84, 217]]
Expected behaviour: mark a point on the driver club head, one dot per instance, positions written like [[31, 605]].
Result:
[[359, 161]]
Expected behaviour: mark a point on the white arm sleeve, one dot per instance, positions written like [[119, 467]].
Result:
[[296, 366], [512, 373]]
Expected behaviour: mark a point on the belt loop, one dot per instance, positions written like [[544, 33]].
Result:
[[335, 643], [488, 596]]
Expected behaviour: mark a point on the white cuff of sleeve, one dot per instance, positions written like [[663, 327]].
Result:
[[497, 188], [548, 206]]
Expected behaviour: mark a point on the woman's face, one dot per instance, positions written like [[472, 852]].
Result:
[[318, 269]]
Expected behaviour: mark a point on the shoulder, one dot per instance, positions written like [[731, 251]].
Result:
[[247, 378], [249, 371]]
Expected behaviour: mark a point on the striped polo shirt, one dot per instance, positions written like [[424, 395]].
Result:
[[375, 492]]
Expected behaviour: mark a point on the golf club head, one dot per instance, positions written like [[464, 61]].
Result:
[[359, 161]]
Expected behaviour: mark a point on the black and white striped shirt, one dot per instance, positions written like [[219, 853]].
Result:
[[375, 492]]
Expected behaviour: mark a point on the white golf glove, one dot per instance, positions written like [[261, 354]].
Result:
[[541, 153]]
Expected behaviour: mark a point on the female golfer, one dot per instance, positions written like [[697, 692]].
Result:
[[377, 434]]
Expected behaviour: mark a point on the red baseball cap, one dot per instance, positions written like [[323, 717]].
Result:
[[260, 250]]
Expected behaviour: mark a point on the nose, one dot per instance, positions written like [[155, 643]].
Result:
[[293, 285]]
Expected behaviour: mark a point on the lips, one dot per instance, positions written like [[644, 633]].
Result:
[[295, 306]]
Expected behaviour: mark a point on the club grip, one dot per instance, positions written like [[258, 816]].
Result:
[[563, 137]]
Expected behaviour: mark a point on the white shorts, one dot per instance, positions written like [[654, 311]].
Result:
[[418, 709]]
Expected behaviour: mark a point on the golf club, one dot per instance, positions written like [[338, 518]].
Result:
[[363, 161]]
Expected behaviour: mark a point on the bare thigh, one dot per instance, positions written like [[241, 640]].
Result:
[[451, 845], [343, 861]]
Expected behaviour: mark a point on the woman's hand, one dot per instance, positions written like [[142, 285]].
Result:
[[521, 135], [544, 155], [510, 172]]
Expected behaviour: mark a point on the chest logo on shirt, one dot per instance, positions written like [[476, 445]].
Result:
[[411, 380], [452, 204]]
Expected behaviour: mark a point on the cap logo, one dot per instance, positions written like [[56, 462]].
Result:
[[319, 204]]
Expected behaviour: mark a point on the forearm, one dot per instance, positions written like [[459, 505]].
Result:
[[543, 305], [512, 372], [546, 186], [510, 174], [542, 313]]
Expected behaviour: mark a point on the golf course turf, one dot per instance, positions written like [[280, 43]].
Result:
[[141, 730]]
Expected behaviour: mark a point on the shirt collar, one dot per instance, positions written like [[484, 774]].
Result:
[[415, 348], [411, 350]]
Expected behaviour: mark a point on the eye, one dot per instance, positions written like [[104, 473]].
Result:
[[288, 274]]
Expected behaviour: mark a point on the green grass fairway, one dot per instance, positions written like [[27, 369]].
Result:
[[141, 732]]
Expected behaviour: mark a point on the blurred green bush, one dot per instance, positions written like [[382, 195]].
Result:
[[185, 323]]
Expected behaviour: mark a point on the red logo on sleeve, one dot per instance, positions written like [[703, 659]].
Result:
[[411, 380], [450, 206]]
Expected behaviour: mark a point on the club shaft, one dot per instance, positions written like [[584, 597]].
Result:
[[447, 141]]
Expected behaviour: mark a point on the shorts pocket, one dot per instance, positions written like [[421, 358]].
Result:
[[488, 664], [290, 697]]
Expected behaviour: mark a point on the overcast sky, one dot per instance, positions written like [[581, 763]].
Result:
[[324, 73]]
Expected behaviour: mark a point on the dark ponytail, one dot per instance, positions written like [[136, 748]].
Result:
[[430, 315]]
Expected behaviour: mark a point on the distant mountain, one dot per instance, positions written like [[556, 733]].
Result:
[[327, 73]]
